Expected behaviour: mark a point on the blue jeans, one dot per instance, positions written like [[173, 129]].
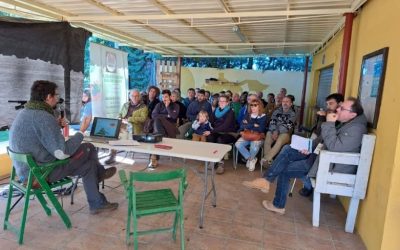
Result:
[[289, 163], [242, 144]]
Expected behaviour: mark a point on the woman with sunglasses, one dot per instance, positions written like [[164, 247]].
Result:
[[255, 121]]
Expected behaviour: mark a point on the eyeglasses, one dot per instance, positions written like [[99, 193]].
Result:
[[253, 105], [343, 109]]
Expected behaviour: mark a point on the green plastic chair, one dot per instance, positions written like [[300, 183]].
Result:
[[39, 173], [152, 202]]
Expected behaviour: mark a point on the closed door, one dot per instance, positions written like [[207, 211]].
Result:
[[324, 86]]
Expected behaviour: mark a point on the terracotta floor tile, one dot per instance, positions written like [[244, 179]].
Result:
[[309, 242], [199, 241], [233, 244], [276, 239], [247, 218], [276, 222], [306, 228], [246, 233], [215, 227]]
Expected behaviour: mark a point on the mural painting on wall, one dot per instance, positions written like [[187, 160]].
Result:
[[220, 84]]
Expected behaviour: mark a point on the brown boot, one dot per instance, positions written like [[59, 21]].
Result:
[[259, 183]]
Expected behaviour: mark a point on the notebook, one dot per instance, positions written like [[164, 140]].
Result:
[[301, 143], [104, 130]]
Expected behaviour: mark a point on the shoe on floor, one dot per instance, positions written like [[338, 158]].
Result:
[[220, 169], [110, 160], [153, 163], [252, 164], [259, 183], [226, 156], [108, 173], [305, 192], [265, 162], [106, 207], [269, 206], [248, 163]]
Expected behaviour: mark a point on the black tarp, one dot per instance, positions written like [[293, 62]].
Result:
[[54, 42]]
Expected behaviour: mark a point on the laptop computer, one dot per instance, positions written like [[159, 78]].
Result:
[[104, 130]]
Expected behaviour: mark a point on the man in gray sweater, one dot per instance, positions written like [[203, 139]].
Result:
[[37, 131]]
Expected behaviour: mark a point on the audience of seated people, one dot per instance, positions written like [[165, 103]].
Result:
[[222, 118]]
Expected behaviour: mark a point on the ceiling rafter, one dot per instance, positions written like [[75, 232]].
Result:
[[59, 15], [167, 11], [117, 13], [235, 44], [286, 25], [235, 21], [338, 11]]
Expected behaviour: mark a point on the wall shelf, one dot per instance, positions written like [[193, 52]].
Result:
[[168, 74]]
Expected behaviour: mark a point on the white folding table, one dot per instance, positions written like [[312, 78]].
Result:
[[193, 150]]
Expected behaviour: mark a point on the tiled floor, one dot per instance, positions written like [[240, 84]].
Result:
[[238, 222]]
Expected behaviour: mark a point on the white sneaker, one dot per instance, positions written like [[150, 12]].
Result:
[[248, 163], [252, 164], [226, 156]]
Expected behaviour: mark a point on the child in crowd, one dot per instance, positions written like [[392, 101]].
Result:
[[200, 126]]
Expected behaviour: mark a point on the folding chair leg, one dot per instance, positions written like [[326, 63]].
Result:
[[135, 234], [43, 202], [25, 211], [316, 208], [174, 226], [58, 207], [182, 230], [8, 206], [128, 224]]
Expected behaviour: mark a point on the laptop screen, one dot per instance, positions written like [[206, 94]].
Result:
[[105, 127]]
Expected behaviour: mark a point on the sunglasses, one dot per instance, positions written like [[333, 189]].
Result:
[[253, 105]]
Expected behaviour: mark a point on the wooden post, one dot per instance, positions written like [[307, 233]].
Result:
[[344, 60], [303, 94]]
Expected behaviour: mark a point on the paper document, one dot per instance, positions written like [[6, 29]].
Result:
[[124, 142], [301, 143]]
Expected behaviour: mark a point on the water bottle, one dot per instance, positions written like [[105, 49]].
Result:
[[129, 130]]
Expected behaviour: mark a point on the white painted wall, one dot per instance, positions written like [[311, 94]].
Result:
[[245, 80]]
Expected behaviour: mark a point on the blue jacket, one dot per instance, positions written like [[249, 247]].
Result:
[[261, 121], [200, 128]]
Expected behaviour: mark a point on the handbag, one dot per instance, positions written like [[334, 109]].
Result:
[[250, 135]]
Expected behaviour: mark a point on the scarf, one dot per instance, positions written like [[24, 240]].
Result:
[[221, 112], [39, 105]]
